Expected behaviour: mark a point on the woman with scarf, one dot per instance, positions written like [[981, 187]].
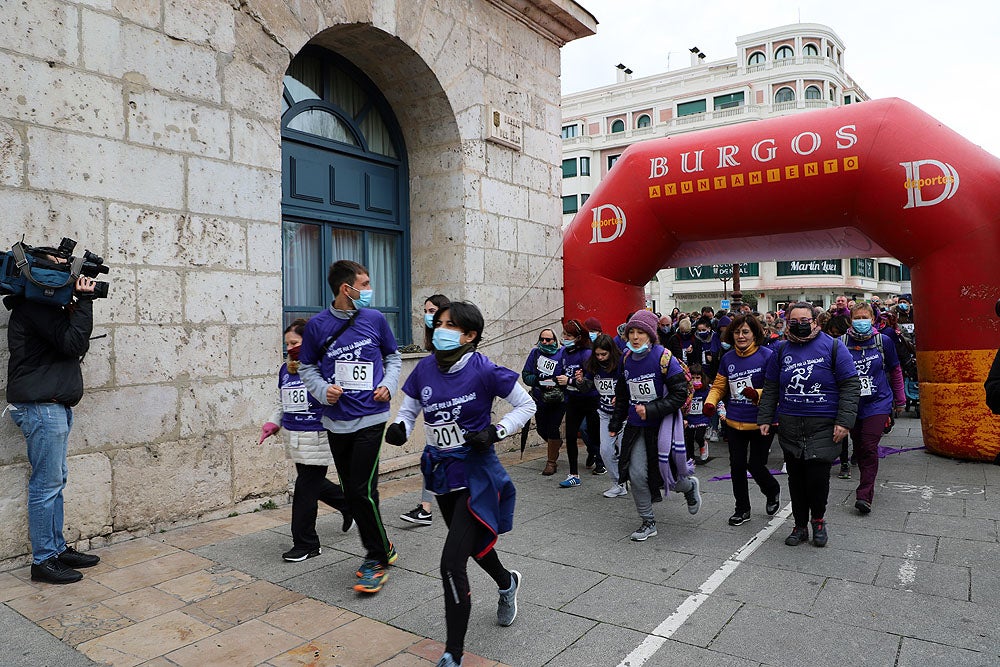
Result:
[[739, 383], [301, 415], [581, 400], [648, 401], [811, 390], [454, 390], [539, 373], [881, 385]]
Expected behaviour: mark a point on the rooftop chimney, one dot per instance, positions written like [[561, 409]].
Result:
[[694, 55], [620, 76]]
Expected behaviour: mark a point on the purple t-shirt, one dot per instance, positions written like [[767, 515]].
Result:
[[353, 360], [876, 392], [743, 372], [709, 347], [572, 360], [806, 377], [605, 383], [299, 410], [696, 415], [645, 381]]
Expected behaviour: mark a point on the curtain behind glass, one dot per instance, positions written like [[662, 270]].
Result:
[[303, 275], [383, 263], [322, 124], [348, 244], [304, 79]]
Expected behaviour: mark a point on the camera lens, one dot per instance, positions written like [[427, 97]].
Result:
[[100, 290]]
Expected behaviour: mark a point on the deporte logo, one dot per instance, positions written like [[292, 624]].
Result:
[[607, 216], [916, 181]]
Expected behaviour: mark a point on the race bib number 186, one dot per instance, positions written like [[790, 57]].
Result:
[[294, 399]]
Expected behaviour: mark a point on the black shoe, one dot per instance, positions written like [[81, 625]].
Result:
[[599, 469], [739, 518], [798, 536], [773, 504], [348, 520], [299, 554], [74, 558], [418, 515], [53, 571], [819, 532], [863, 507], [590, 460]]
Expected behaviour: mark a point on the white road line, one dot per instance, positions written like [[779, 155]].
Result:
[[665, 630]]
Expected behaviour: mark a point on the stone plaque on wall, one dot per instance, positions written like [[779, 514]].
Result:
[[505, 129]]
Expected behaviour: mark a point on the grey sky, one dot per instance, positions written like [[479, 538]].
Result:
[[944, 57]]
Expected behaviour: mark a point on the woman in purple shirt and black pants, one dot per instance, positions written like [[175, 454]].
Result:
[[811, 389]]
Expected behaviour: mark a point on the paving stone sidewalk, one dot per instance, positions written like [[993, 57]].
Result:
[[913, 583]]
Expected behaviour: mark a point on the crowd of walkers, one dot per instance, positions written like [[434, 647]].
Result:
[[644, 403]]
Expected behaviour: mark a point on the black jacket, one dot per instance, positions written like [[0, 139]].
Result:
[[656, 410], [992, 385], [46, 346]]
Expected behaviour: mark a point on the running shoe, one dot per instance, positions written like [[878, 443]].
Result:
[[507, 606], [692, 496], [864, 507], [372, 577], [570, 481], [799, 535], [448, 661], [845, 471], [644, 532], [739, 518], [418, 515], [299, 554], [819, 532], [599, 469], [703, 454], [615, 491]]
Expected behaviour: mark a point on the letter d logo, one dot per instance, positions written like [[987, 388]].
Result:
[[615, 217], [948, 177]]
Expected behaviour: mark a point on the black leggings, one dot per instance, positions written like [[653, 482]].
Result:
[[465, 534], [548, 417], [748, 450], [577, 410], [311, 486], [809, 487]]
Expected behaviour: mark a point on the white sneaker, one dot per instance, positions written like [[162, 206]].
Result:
[[712, 435], [703, 453], [615, 491]]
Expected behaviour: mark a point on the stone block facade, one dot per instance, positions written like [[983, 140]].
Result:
[[149, 131]]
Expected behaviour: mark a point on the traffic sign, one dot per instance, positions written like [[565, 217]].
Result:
[[724, 304]]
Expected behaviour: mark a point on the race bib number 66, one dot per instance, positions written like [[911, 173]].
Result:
[[641, 391]]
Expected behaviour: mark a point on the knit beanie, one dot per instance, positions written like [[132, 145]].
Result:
[[646, 321], [724, 321], [593, 324]]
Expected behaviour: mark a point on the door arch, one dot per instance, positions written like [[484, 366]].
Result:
[[344, 187], [876, 179]]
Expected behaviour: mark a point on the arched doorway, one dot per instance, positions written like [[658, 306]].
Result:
[[876, 179], [344, 187]]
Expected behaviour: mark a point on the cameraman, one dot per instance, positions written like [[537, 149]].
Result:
[[44, 381]]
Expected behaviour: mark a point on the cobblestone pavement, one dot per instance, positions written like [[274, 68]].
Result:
[[912, 584]]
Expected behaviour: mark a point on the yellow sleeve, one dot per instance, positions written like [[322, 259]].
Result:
[[719, 389]]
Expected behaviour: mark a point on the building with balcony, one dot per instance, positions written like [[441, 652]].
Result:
[[775, 72]]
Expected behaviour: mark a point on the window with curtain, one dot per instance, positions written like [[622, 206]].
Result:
[[569, 131], [810, 49], [644, 121], [585, 166], [756, 58], [784, 52], [785, 94], [813, 93]]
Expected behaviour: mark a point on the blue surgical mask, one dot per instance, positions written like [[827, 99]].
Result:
[[863, 327], [364, 299], [638, 350], [429, 320], [904, 307], [593, 336], [446, 340], [725, 346], [568, 342]]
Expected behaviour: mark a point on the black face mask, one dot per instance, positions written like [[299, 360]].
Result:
[[800, 329]]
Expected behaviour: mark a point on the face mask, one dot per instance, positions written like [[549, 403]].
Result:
[[863, 327], [726, 346], [904, 307], [800, 329], [704, 335], [364, 299], [568, 342], [429, 320], [696, 384], [593, 336], [293, 352], [446, 339], [548, 348], [638, 350]]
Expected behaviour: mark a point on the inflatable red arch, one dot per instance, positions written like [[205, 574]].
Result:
[[880, 178]]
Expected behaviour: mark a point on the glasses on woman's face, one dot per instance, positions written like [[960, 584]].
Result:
[[804, 320], [543, 339]]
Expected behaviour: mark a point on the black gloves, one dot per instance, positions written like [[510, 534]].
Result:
[[481, 440], [395, 434]]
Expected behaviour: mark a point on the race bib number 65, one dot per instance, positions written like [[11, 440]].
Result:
[[355, 375]]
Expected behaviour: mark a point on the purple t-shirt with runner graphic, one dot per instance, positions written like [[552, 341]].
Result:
[[806, 376], [876, 392]]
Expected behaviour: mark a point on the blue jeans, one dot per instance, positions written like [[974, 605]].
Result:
[[46, 429]]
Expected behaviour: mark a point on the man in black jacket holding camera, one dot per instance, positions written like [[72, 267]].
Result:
[[44, 382]]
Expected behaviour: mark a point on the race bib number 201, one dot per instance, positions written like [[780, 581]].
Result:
[[445, 435]]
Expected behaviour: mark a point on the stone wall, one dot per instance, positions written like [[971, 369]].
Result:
[[148, 130]]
